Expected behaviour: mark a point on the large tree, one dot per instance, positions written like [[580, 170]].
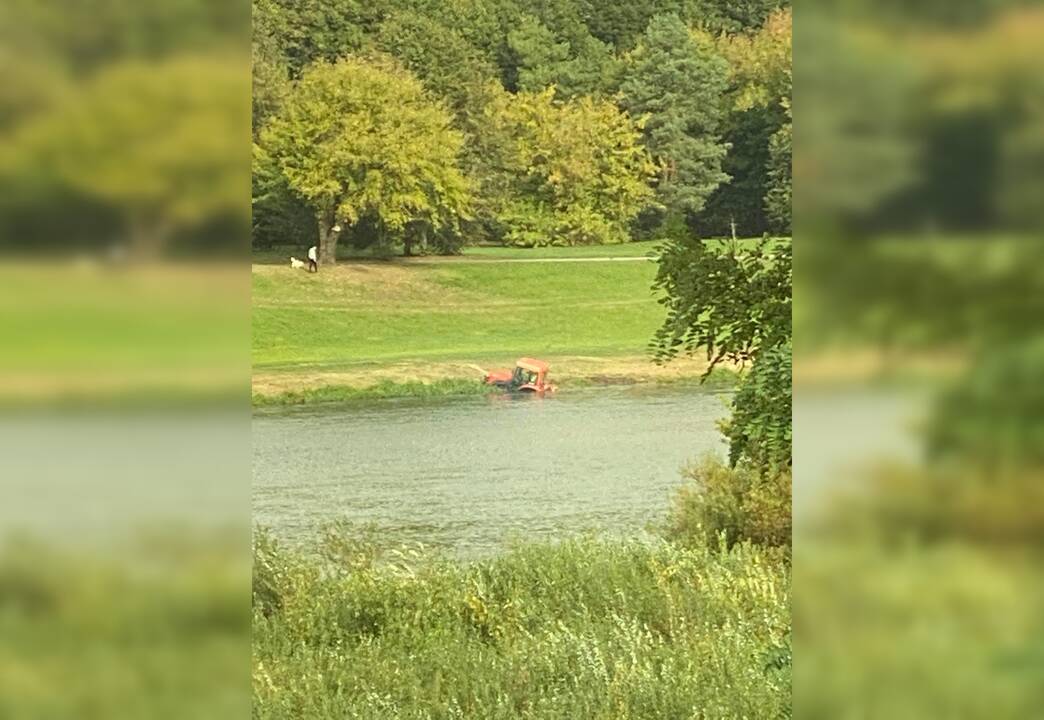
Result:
[[311, 30], [585, 66], [443, 59], [780, 176], [571, 173], [621, 22], [361, 138], [678, 81], [270, 72], [733, 302], [147, 140], [757, 129]]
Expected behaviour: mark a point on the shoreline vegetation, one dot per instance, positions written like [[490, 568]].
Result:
[[587, 627], [456, 387]]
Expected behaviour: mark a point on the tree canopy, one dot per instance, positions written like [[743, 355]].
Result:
[[678, 80], [585, 67], [362, 138], [576, 172], [674, 70], [757, 129], [148, 139], [734, 304]]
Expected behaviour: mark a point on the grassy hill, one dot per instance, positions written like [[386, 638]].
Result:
[[387, 327], [377, 312]]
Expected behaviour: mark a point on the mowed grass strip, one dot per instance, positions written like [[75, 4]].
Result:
[[365, 313]]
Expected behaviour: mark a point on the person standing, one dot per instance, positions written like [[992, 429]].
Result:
[[313, 259]]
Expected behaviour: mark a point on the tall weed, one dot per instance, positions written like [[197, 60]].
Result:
[[731, 505], [585, 628]]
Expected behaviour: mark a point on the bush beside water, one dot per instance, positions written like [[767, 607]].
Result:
[[585, 628], [723, 504]]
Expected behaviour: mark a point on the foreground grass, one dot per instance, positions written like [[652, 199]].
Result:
[[148, 625], [586, 628]]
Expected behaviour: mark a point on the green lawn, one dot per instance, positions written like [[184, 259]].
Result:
[[83, 333], [380, 312]]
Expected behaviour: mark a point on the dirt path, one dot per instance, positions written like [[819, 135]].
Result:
[[453, 259]]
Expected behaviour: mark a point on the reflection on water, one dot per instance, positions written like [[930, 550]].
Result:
[[472, 473]]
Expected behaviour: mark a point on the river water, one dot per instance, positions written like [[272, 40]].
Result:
[[471, 474]]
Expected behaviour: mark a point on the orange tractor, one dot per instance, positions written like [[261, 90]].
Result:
[[529, 375]]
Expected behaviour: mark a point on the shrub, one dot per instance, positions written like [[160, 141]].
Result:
[[731, 505], [146, 624], [734, 304], [530, 225]]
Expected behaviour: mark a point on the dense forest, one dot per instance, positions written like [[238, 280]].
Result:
[[429, 125]]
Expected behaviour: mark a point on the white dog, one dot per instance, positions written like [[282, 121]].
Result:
[[296, 264]]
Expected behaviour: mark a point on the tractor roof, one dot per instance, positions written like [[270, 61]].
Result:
[[537, 366]]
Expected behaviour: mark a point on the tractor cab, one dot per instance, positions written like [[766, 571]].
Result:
[[529, 375]]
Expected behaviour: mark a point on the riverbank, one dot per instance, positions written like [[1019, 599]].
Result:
[[450, 379], [585, 628]]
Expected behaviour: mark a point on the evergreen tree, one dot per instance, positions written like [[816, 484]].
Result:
[[270, 73], [757, 130], [729, 16], [311, 30], [585, 66], [678, 81], [778, 195], [444, 61], [538, 55]]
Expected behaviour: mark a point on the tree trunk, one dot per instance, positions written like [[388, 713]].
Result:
[[410, 236], [148, 239], [328, 238]]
